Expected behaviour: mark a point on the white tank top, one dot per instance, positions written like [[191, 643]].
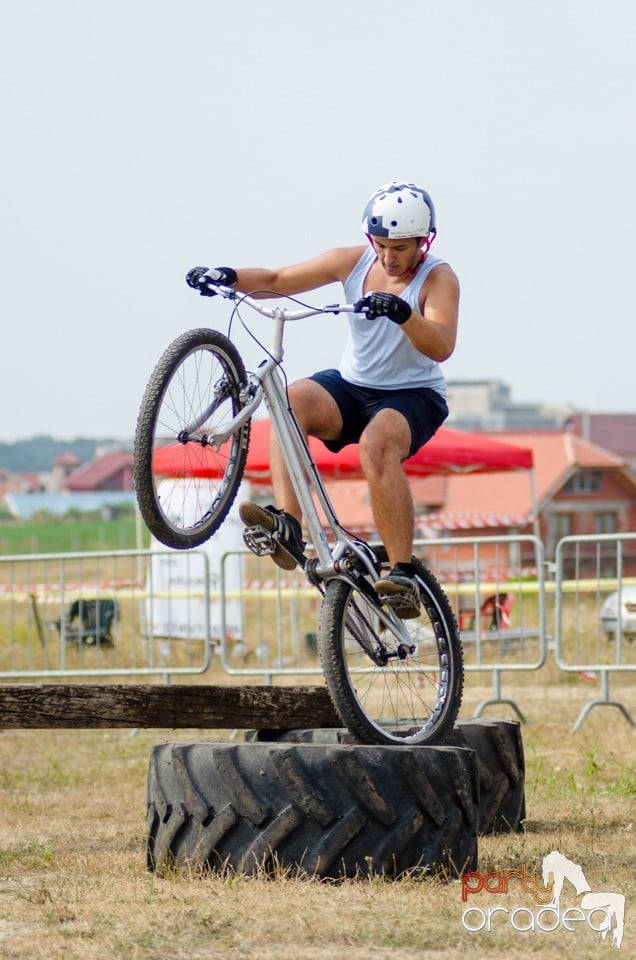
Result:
[[377, 353]]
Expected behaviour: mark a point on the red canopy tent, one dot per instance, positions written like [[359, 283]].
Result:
[[449, 451]]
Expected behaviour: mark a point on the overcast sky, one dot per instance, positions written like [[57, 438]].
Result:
[[142, 137]]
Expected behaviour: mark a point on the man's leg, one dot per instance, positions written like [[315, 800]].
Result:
[[385, 443]]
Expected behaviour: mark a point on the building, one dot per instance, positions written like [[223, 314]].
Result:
[[613, 431], [63, 466], [575, 488], [17, 483], [486, 405], [112, 471]]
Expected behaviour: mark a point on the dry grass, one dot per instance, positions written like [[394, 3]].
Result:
[[72, 869]]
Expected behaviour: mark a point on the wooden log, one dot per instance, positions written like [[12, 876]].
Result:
[[171, 707]]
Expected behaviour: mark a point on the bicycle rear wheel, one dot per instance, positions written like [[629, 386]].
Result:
[[185, 484], [384, 690]]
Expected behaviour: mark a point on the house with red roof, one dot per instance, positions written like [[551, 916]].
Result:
[[576, 488], [112, 471], [63, 466], [612, 431], [17, 483]]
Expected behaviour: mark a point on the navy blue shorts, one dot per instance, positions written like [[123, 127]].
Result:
[[424, 409]]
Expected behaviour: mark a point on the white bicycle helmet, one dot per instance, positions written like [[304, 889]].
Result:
[[399, 210]]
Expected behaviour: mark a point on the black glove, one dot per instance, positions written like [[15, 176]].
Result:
[[204, 278], [384, 305]]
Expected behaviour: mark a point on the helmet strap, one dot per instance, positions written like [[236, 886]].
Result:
[[425, 246], [428, 240]]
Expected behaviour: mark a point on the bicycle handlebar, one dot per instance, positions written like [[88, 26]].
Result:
[[279, 313]]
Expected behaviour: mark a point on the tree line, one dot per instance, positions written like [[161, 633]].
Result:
[[37, 454]]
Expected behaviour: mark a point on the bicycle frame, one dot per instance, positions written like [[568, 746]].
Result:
[[267, 386]]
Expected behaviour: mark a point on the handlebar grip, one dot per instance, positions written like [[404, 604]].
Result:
[[215, 275], [206, 279], [193, 277]]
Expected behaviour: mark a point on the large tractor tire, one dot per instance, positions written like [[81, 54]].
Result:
[[328, 810], [499, 757], [500, 771]]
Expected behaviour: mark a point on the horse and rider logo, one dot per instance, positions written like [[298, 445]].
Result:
[[557, 869], [602, 911]]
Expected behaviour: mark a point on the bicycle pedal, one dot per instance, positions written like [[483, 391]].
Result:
[[259, 540], [405, 605]]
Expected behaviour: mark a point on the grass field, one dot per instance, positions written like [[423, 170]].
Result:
[[66, 535], [73, 881]]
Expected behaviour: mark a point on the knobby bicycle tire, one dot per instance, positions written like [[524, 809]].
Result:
[[184, 484], [415, 697]]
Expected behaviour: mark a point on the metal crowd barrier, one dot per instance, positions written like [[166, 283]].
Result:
[[172, 614], [97, 614], [595, 620], [494, 584]]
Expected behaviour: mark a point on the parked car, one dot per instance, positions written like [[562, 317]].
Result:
[[610, 614]]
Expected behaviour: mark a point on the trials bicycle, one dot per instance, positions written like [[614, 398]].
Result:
[[391, 681]]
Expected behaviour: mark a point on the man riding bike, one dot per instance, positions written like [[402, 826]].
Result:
[[388, 393]]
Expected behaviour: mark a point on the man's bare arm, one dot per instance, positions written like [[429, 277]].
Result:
[[433, 331], [329, 267]]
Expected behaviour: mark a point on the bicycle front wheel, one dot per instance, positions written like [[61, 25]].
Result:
[[386, 690], [185, 484]]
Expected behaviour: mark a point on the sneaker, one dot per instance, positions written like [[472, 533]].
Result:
[[400, 592], [274, 532]]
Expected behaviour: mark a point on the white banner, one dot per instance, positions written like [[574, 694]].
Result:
[[177, 589]]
